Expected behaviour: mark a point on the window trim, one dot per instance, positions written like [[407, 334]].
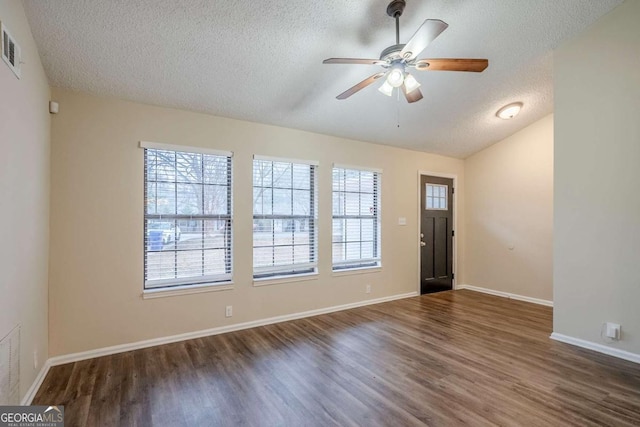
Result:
[[171, 287], [285, 278], [361, 265], [268, 275], [356, 270], [187, 289]]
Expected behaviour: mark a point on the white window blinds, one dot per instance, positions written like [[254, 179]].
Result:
[[356, 218], [187, 225], [284, 217]]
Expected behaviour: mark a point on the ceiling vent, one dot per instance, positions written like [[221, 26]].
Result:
[[10, 51]]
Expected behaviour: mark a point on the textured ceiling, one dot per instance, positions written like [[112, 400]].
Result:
[[262, 61]]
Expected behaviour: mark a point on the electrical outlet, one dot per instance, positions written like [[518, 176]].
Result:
[[35, 360], [228, 311], [367, 289], [613, 331]]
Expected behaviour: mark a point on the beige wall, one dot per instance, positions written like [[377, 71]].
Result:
[[509, 214], [597, 178], [24, 196], [97, 212]]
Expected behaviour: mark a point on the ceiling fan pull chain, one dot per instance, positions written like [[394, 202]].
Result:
[[398, 111]]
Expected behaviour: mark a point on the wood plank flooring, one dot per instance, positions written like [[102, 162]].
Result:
[[452, 358]]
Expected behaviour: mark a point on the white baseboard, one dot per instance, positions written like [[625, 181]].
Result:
[[31, 393], [506, 295], [75, 357], [600, 348]]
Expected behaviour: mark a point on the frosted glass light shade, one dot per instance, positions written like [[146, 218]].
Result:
[[386, 88], [410, 83], [395, 77]]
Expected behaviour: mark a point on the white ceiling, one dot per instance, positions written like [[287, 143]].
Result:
[[262, 61]]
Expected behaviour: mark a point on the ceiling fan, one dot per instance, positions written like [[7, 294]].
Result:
[[396, 59]]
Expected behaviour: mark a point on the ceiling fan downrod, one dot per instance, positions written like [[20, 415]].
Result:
[[394, 10]]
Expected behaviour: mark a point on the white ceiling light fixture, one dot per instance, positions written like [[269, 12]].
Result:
[[509, 111], [410, 83], [396, 76], [386, 88]]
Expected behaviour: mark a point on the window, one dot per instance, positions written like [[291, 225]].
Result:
[[437, 197], [356, 218], [284, 217], [187, 220]]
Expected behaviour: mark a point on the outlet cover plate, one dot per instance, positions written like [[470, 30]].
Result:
[[613, 331]]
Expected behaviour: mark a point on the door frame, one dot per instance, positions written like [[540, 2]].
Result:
[[454, 262]]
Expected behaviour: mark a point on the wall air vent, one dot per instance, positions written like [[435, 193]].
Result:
[[10, 51]]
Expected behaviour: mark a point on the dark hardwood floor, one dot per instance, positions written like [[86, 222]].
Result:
[[451, 358]]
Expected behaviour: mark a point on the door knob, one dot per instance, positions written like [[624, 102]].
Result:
[[422, 243]]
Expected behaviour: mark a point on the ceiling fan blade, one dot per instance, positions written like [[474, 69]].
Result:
[[366, 82], [354, 61], [413, 96], [452, 64], [428, 31]]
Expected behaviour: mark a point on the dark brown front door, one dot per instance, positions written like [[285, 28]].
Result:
[[436, 234]]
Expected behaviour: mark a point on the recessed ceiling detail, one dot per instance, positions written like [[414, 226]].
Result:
[[260, 62]]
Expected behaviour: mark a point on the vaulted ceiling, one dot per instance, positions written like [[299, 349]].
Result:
[[262, 61]]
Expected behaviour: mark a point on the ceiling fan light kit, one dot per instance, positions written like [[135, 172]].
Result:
[[410, 83], [395, 77], [509, 111], [386, 88], [396, 59]]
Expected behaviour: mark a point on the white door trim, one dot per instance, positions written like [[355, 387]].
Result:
[[455, 221]]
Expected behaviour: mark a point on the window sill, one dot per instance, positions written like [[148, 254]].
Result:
[[357, 270], [186, 290], [285, 279]]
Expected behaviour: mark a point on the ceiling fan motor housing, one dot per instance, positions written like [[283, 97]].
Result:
[[392, 53]]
